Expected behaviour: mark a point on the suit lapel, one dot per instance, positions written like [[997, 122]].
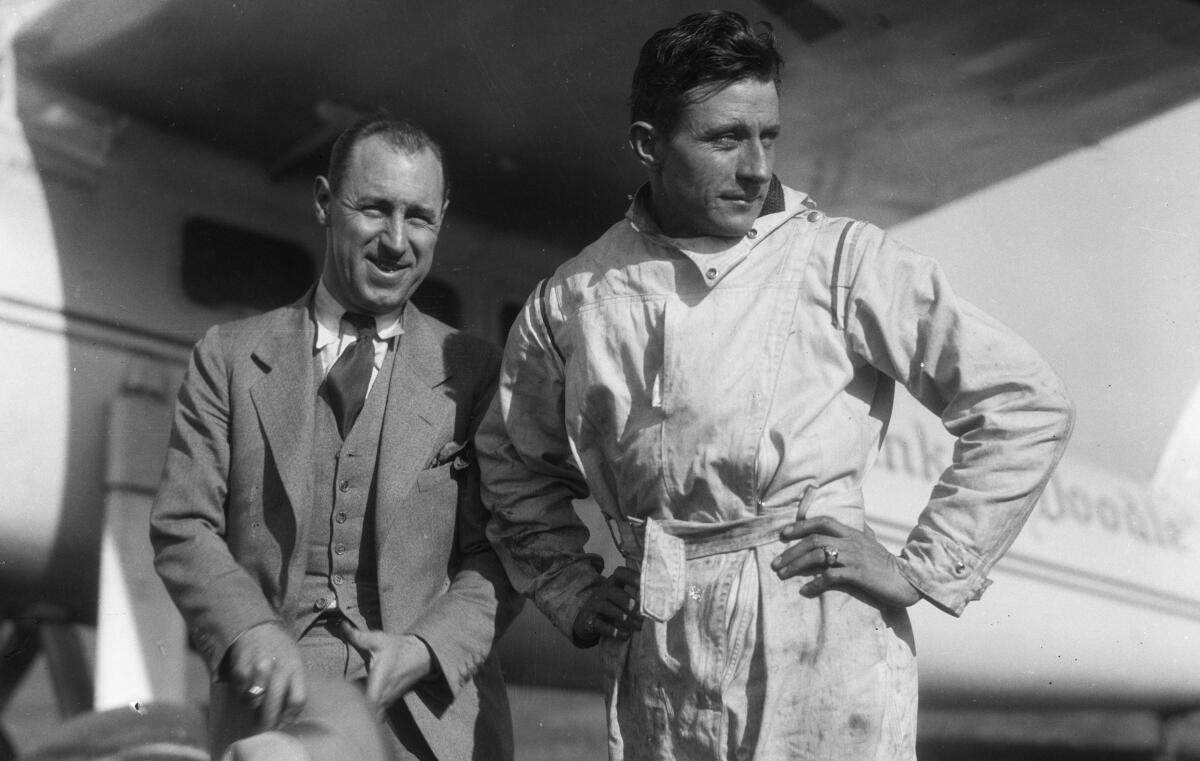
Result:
[[415, 412], [283, 398]]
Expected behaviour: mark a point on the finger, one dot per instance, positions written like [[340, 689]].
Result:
[[254, 685], [297, 696], [244, 670], [616, 616], [365, 641], [377, 686], [800, 547], [823, 582], [821, 524], [612, 629], [601, 618], [625, 604], [273, 702], [798, 551], [621, 588], [804, 563], [626, 578]]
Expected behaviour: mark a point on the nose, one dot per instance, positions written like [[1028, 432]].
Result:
[[394, 236], [756, 162]]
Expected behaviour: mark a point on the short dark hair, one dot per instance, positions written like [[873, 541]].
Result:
[[399, 133], [701, 54]]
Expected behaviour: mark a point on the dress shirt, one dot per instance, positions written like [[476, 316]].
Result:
[[334, 335]]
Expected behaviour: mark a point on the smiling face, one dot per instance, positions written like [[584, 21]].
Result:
[[382, 225], [711, 175]]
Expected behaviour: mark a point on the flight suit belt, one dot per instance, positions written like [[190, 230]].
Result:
[[700, 540], [668, 545]]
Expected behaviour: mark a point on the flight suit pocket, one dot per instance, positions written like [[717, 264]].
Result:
[[664, 573]]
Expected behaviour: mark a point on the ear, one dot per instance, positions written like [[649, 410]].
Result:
[[322, 195], [646, 141]]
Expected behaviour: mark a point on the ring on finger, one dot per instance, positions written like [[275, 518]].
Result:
[[831, 556], [255, 691]]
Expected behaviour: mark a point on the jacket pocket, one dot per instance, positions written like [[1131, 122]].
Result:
[[436, 478]]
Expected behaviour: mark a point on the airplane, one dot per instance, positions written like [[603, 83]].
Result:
[[156, 159]]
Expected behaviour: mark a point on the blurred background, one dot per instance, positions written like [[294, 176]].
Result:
[[156, 166]]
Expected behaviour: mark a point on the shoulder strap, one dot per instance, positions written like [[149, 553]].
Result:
[[843, 271], [539, 304]]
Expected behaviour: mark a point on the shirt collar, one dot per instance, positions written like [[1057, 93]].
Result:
[[328, 311], [639, 211]]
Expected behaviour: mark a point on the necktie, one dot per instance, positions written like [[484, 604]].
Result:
[[348, 379]]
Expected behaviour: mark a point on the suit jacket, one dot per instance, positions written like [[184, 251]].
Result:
[[230, 520]]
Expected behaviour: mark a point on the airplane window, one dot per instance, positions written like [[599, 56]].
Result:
[[228, 266]]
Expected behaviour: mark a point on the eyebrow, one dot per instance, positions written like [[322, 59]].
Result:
[[429, 211], [738, 126], [370, 197]]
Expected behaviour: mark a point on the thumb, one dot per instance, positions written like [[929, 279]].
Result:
[[363, 640]]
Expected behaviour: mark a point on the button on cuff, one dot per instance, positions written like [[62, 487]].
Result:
[[947, 573]]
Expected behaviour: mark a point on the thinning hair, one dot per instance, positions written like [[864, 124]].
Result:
[[401, 134], [700, 55]]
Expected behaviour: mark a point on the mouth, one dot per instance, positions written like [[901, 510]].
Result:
[[743, 199], [386, 266]]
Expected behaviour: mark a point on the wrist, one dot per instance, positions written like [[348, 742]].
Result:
[[911, 594], [422, 657]]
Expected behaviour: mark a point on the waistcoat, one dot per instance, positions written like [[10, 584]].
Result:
[[340, 570]]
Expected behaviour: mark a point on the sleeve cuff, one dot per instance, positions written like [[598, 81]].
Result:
[[436, 684], [948, 574], [561, 598], [451, 666], [215, 648]]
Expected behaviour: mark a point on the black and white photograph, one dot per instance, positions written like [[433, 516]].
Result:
[[516, 380]]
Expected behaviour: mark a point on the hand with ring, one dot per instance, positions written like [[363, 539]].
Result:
[[837, 555], [610, 609], [831, 556], [265, 668]]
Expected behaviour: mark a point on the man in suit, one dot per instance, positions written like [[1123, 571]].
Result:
[[319, 511]]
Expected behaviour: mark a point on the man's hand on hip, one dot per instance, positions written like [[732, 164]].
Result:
[[841, 556], [395, 662], [266, 670]]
